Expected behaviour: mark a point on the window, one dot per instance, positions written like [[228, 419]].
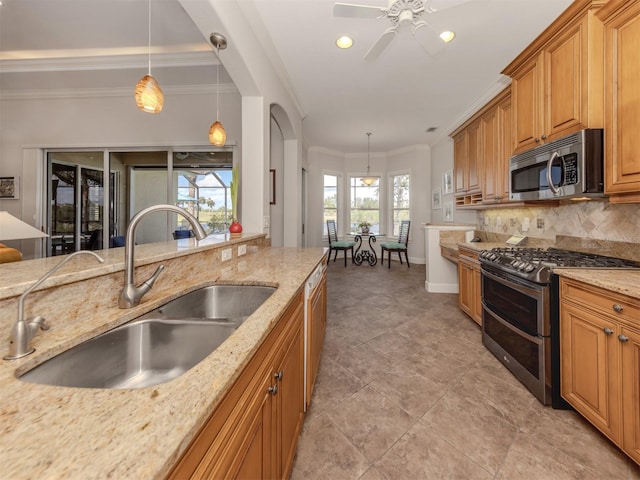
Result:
[[400, 201], [365, 204], [205, 193], [330, 201]]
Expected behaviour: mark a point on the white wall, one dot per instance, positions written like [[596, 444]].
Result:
[[276, 162], [442, 161]]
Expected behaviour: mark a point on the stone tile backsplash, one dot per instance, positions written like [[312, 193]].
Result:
[[595, 219]]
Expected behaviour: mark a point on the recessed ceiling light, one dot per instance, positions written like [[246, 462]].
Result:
[[447, 36], [344, 41]]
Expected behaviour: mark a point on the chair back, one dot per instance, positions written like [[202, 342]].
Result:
[[332, 231], [405, 225]]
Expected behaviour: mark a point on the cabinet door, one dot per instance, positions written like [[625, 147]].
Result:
[[317, 322], [563, 83], [474, 160], [589, 366], [290, 395], [526, 95], [465, 287], [630, 342], [491, 157], [460, 158], [622, 102], [255, 458], [476, 295], [506, 150]]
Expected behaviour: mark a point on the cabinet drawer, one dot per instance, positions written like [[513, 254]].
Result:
[[599, 300]]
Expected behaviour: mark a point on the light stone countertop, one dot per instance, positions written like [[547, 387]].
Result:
[[622, 281], [61, 432]]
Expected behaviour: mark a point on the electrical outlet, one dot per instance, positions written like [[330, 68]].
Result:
[[498, 221], [242, 249], [226, 254], [525, 224], [266, 222]]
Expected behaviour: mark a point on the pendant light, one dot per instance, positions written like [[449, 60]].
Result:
[[217, 135], [368, 180], [148, 94]]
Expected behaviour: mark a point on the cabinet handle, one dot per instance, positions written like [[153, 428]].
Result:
[[544, 137], [273, 390], [607, 331], [537, 140], [278, 376], [623, 338], [617, 308]]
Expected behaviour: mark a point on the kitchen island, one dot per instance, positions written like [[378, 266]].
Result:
[[61, 432]]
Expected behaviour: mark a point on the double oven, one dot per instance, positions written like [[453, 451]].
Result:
[[520, 312]]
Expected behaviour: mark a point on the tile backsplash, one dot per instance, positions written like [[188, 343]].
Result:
[[595, 219]]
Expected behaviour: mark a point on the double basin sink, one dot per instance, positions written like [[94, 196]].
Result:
[[157, 347]]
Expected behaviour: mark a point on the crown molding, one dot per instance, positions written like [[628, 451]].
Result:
[[106, 62], [112, 92]]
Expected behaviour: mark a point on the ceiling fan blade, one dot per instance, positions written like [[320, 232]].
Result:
[[428, 39], [432, 6], [382, 43], [357, 11]]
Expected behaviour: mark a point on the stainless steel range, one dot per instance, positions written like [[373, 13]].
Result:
[[520, 311]]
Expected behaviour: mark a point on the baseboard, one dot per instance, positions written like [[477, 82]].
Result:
[[441, 287]]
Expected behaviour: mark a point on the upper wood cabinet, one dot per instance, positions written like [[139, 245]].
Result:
[[622, 100], [557, 82], [481, 151]]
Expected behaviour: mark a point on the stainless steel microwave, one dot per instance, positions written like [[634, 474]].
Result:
[[569, 167]]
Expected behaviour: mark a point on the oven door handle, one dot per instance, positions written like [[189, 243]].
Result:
[[537, 339]]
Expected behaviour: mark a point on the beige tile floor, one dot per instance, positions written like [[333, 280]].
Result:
[[406, 390]]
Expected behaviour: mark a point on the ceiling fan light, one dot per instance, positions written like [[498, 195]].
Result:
[[344, 42], [217, 135], [148, 95], [447, 36]]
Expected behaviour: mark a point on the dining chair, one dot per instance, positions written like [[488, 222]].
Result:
[[399, 246], [335, 244]]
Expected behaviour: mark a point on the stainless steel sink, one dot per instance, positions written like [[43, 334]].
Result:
[[159, 346], [231, 303]]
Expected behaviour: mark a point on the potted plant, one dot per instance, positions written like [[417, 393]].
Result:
[[364, 226]]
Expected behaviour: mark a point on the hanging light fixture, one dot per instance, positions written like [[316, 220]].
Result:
[[217, 135], [368, 180], [148, 94]]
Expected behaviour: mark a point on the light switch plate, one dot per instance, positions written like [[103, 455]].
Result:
[[242, 249], [226, 254]]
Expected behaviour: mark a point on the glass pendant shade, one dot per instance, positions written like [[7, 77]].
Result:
[[217, 135], [368, 181], [149, 96]]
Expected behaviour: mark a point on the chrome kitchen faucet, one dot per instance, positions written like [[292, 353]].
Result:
[[22, 332], [131, 295]]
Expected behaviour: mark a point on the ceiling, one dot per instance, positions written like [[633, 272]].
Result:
[[76, 44]]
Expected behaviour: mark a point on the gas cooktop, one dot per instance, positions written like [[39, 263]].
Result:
[[537, 264]]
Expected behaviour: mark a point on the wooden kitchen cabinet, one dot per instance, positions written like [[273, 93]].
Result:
[[622, 100], [496, 149], [600, 360], [466, 161], [469, 284], [253, 433], [557, 82], [316, 325]]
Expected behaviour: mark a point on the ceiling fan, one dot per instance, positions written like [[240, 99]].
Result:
[[401, 13]]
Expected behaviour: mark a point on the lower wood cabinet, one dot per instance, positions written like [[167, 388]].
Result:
[[469, 284], [254, 432], [316, 325], [600, 360]]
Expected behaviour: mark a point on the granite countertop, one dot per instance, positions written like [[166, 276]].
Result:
[[622, 281], [61, 432]]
